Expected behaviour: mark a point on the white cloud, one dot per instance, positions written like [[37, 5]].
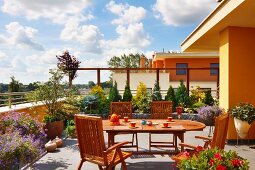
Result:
[[132, 37], [127, 14], [20, 36], [2, 55], [182, 12], [58, 11], [88, 35]]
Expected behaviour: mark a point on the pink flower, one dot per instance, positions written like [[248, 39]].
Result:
[[221, 167], [199, 148], [218, 156]]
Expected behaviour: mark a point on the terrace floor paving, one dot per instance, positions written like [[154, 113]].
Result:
[[68, 156]]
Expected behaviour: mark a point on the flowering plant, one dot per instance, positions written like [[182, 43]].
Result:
[[208, 113], [21, 139], [24, 124], [15, 149], [244, 112], [213, 159]]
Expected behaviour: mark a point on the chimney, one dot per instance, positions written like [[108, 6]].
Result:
[[142, 61]]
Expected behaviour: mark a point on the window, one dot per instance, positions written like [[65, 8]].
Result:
[[214, 71], [181, 71]]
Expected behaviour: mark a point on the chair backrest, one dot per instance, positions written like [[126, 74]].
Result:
[[161, 109], [220, 131], [121, 108], [89, 130]]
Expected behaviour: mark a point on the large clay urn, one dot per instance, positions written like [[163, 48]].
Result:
[[242, 127], [54, 129]]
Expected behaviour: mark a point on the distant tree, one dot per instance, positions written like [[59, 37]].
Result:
[[170, 96], [32, 86], [182, 95], [91, 84], [127, 96], [3, 87], [126, 61], [208, 100], [68, 64], [114, 95], [14, 85], [106, 84], [156, 95]]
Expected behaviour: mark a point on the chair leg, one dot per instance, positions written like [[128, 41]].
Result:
[[124, 166], [80, 165], [136, 137], [149, 141]]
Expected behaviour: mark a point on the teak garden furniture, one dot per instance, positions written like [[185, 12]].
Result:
[[91, 143], [124, 109]]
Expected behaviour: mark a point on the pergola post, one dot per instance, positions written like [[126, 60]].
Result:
[[157, 75], [128, 77], [98, 77], [218, 83]]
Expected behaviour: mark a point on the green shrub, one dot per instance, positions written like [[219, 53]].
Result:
[[197, 105], [170, 96], [127, 96], [182, 95], [70, 129], [156, 95], [197, 95], [208, 98], [142, 99], [114, 95]]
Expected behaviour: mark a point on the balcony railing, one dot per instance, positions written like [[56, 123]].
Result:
[[13, 98]]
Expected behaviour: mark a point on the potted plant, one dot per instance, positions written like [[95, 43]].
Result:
[[244, 115], [213, 159], [51, 94]]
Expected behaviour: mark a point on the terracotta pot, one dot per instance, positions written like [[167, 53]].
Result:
[[50, 146], [242, 127], [54, 129], [58, 141]]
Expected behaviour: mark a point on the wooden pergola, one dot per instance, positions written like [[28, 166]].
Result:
[[157, 71]]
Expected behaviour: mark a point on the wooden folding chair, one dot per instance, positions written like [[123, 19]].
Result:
[[218, 140], [124, 109], [89, 130], [160, 110]]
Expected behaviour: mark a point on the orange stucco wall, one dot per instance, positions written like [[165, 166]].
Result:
[[237, 78], [195, 75], [37, 112]]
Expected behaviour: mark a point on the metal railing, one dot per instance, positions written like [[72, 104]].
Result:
[[13, 98]]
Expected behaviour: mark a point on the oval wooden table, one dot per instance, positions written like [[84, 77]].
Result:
[[176, 127]]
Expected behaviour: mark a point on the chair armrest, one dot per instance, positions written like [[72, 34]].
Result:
[[117, 145], [203, 138], [188, 145]]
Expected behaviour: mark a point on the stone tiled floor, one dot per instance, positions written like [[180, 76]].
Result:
[[67, 157]]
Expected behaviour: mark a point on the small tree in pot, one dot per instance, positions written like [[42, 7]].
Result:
[[244, 115], [50, 94]]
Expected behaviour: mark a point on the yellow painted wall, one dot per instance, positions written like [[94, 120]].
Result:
[[237, 64], [37, 111]]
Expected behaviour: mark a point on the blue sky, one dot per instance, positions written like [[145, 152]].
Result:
[[33, 32]]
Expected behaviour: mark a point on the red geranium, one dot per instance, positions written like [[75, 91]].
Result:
[[187, 154], [236, 162], [199, 148], [221, 167], [218, 156], [211, 162]]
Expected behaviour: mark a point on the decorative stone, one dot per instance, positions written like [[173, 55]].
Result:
[[50, 146], [58, 141]]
